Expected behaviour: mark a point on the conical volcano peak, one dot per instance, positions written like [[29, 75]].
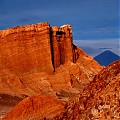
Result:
[[106, 58]]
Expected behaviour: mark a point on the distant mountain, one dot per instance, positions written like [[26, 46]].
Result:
[[106, 58]]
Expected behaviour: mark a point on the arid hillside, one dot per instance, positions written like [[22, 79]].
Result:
[[99, 100]]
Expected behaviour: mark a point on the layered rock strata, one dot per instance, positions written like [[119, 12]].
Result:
[[63, 48], [37, 59], [36, 47], [26, 48], [29, 55]]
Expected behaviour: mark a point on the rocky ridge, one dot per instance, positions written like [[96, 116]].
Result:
[[99, 100]]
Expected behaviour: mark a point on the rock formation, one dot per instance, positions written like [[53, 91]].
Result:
[[40, 59], [28, 48], [63, 48], [99, 100], [39, 48]]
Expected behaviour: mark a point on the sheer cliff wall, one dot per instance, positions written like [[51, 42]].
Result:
[[36, 47]]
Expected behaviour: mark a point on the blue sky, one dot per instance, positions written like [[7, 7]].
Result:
[[91, 20]]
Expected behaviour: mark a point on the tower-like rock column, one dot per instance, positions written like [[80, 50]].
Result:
[[62, 46], [68, 43]]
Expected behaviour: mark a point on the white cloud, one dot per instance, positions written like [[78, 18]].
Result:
[[95, 47]]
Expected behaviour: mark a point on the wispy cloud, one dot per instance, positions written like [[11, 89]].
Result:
[[95, 47], [105, 48]]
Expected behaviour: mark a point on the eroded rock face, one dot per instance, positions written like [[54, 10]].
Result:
[[62, 45], [26, 48], [38, 48], [38, 58]]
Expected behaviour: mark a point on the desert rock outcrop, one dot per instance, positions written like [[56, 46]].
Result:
[[98, 100], [28, 48], [38, 58], [38, 48]]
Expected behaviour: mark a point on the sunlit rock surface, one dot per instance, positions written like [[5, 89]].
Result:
[[38, 58], [99, 100]]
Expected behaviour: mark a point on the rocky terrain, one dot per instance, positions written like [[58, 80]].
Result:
[[38, 58], [100, 100], [48, 76], [36, 107]]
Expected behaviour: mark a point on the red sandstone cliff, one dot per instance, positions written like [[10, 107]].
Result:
[[26, 49], [31, 53], [62, 45], [38, 58]]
